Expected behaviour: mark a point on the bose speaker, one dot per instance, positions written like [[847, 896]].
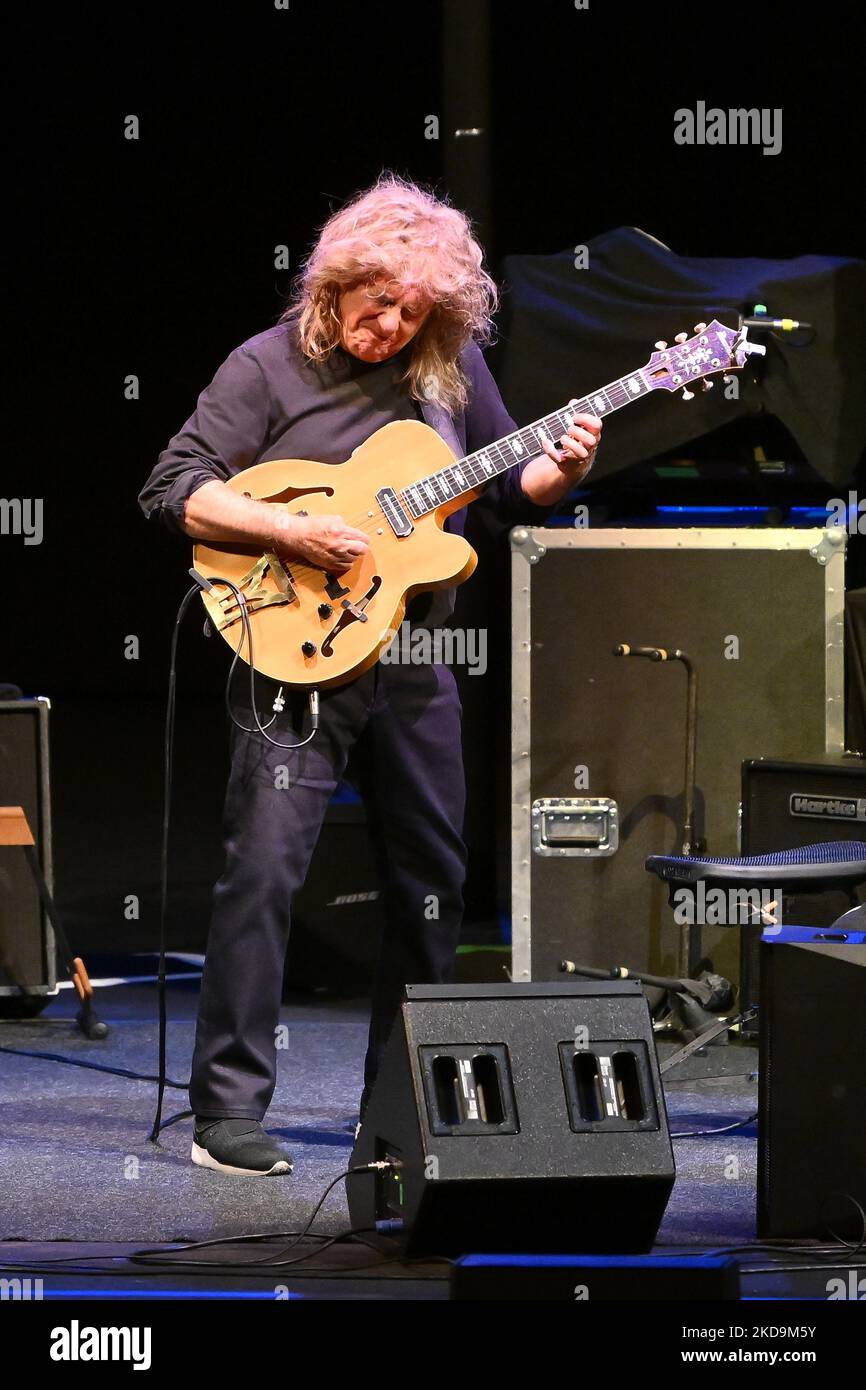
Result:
[[521, 1117], [337, 916]]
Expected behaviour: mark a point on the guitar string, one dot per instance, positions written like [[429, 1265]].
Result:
[[581, 405], [361, 523]]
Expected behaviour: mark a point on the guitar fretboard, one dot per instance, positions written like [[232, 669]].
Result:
[[513, 449]]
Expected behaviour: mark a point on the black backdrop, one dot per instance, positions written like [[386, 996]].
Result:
[[154, 257]]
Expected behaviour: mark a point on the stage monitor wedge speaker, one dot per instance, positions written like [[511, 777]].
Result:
[[812, 1086], [517, 1118], [27, 957]]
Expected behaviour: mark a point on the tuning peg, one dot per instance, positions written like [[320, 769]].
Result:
[[687, 394], [661, 344], [700, 327], [707, 385], [681, 337]]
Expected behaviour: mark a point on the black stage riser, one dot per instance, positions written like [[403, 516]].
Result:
[[647, 1279]]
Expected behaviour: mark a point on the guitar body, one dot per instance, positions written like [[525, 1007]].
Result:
[[287, 599]]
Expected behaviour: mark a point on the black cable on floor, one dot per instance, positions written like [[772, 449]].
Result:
[[92, 1066], [811, 1252], [164, 1270], [723, 1129], [713, 1076], [143, 1256]]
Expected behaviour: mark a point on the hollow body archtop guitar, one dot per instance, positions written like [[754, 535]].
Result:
[[311, 628]]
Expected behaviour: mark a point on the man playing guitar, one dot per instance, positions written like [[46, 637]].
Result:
[[385, 324]]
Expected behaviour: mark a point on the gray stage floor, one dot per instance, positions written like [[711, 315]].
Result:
[[76, 1163]]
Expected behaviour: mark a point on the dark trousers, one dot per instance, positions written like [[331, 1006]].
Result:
[[402, 727]]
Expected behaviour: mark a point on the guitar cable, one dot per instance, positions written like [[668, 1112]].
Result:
[[207, 586]]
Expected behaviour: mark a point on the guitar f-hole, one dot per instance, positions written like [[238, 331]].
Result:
[[352, 613]]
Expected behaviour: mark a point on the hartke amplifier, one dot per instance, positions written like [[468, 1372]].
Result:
[[786, 805], [26, 940], [812, 1088], [598, 744], [517, 1118]]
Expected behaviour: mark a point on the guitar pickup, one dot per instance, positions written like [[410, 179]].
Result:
[[395, 514]]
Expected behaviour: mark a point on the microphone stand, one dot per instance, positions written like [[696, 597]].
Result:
[[690, 934]]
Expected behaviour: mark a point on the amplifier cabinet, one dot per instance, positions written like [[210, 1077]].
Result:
[[337, 915], [598, 741], [27, 954], [812, 1087], [786, 806]]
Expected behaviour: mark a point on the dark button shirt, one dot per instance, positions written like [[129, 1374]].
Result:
[[268, 401]]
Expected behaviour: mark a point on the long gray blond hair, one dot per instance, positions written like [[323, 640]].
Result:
[[398, 234]]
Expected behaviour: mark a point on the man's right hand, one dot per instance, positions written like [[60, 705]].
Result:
[[326, 541]]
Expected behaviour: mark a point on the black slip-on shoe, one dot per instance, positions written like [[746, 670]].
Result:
[[362, 1106], [238, 1146]]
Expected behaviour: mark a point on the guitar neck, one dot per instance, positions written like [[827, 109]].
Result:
[[470, 472], [714, 349]]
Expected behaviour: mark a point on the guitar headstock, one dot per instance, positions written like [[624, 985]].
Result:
[[714, 348]]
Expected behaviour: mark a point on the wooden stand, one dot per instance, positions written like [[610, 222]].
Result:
[[15, 831]]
